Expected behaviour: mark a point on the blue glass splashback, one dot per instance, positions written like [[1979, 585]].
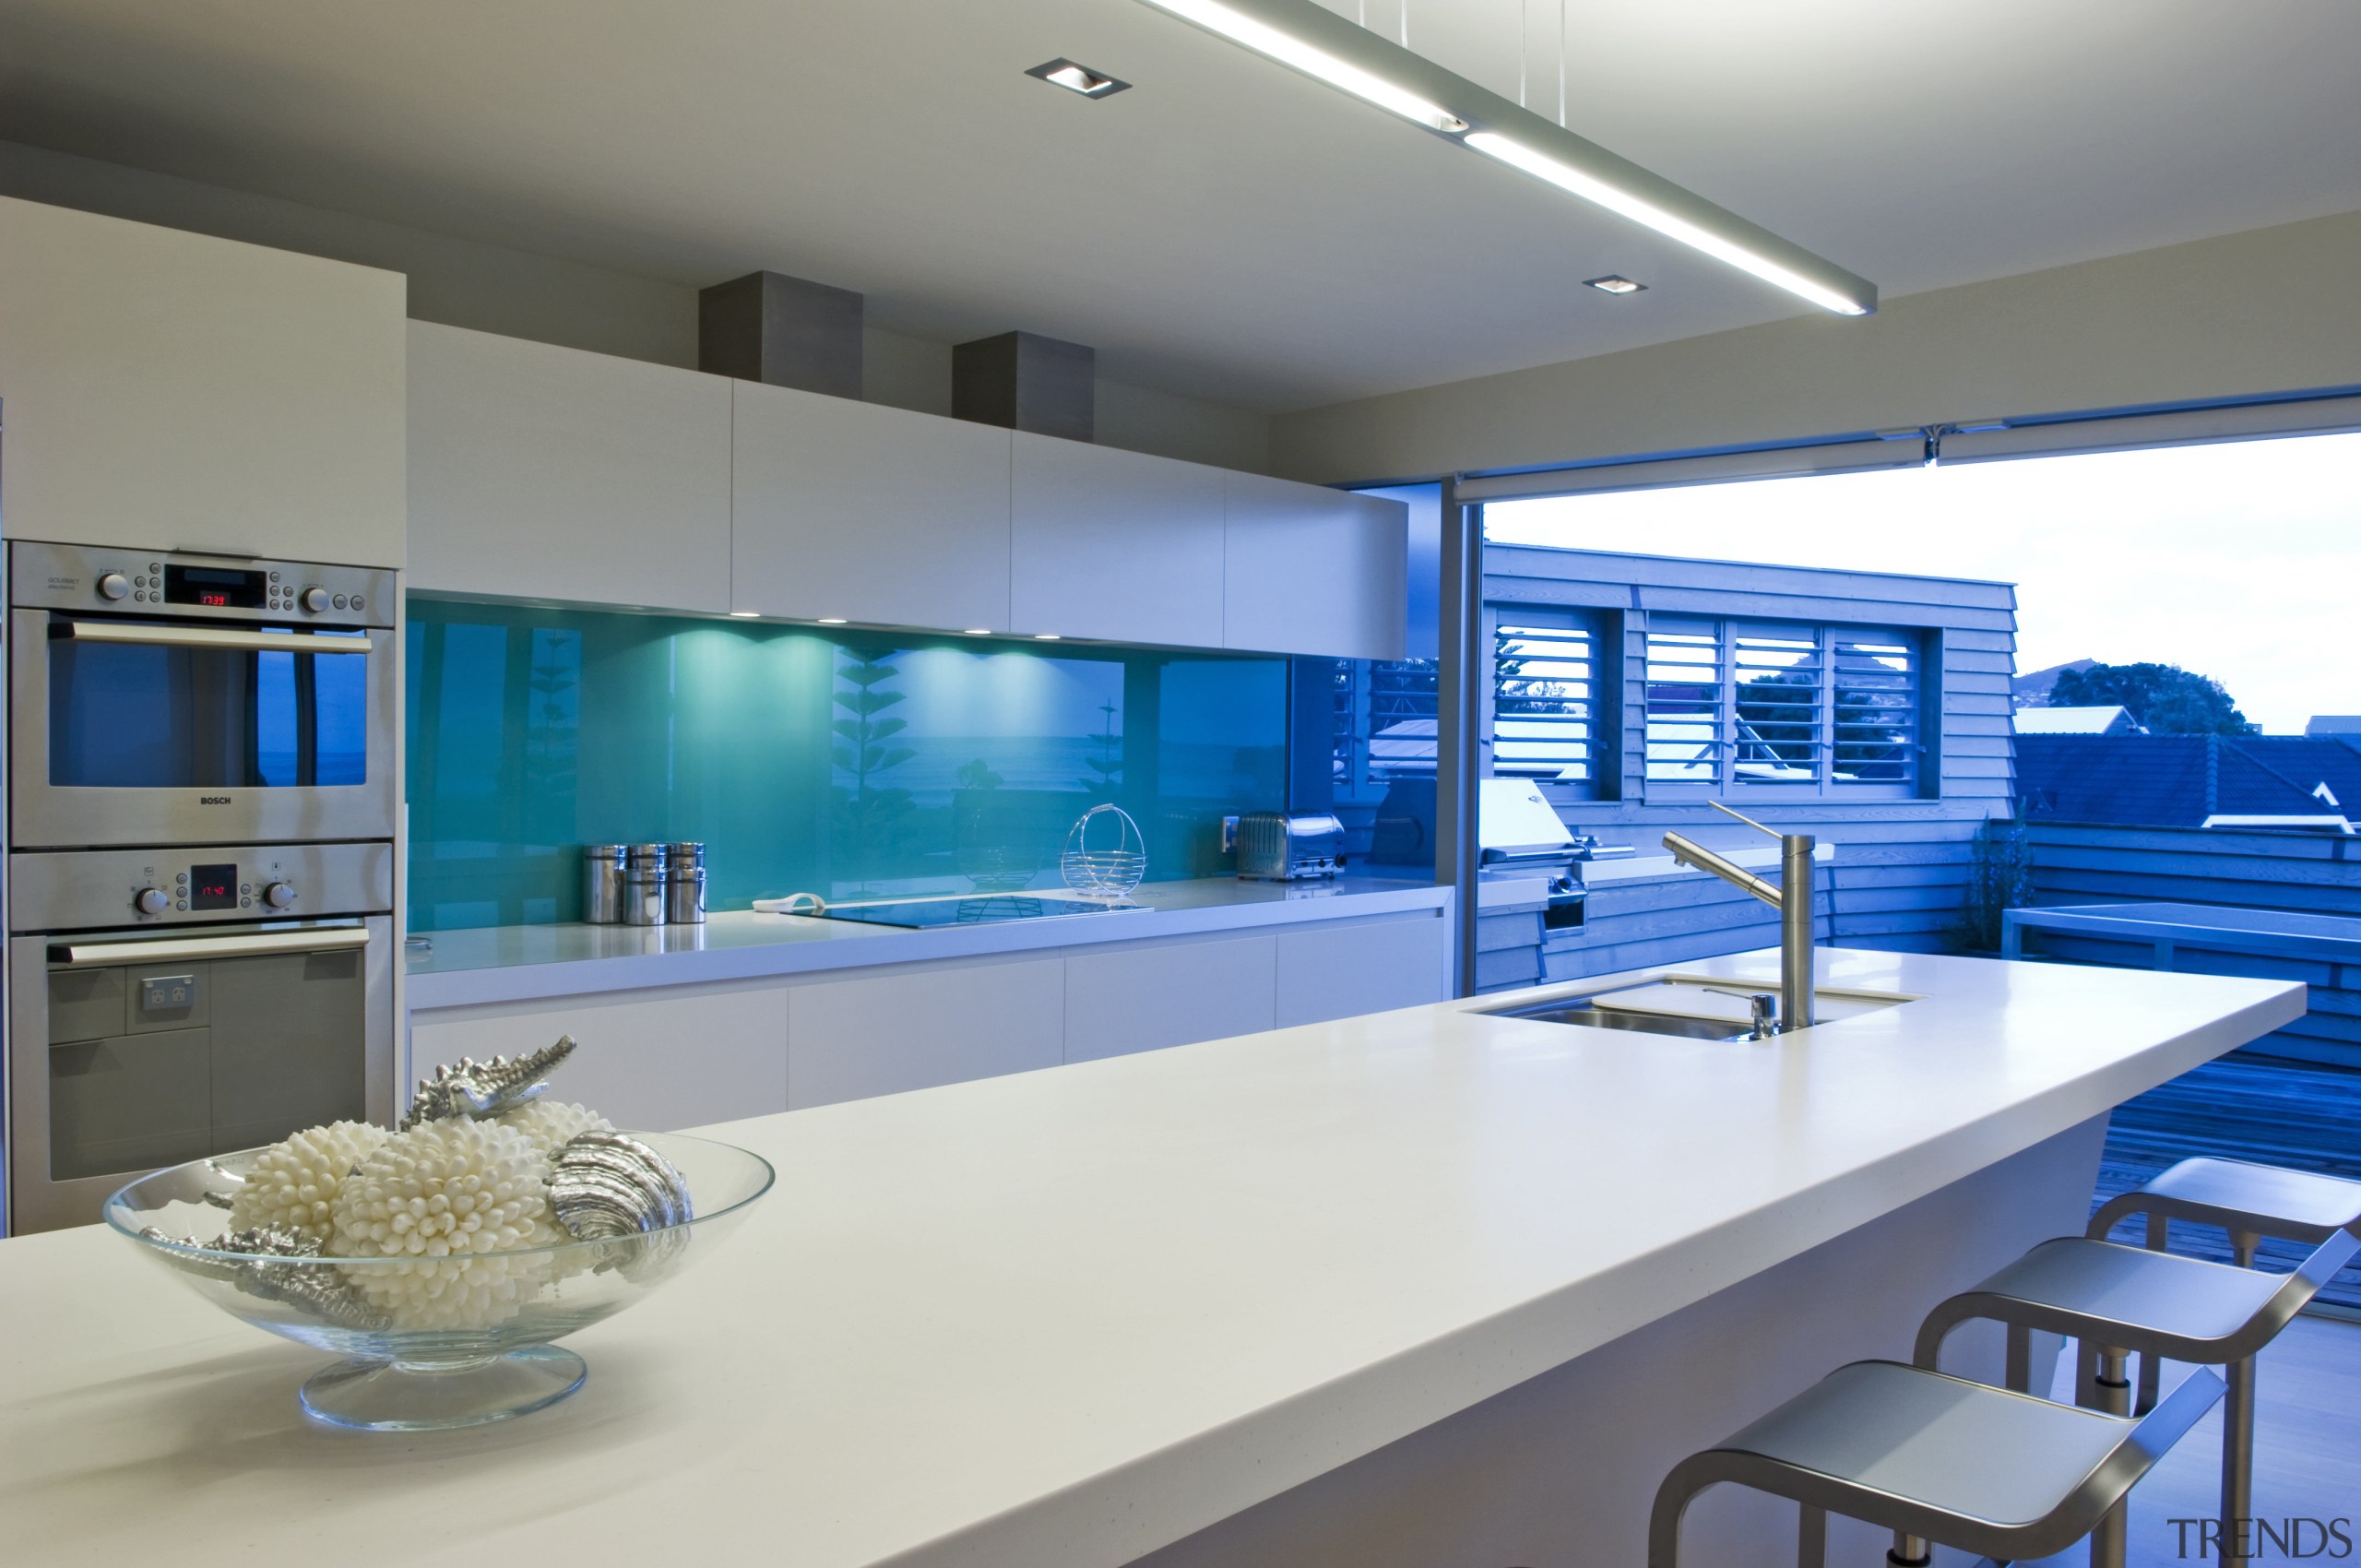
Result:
[[830, 762]]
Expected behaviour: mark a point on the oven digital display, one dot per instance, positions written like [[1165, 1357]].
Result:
[[224, 587], [213, 887]]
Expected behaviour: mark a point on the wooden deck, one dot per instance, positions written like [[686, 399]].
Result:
[[2242, 1106]]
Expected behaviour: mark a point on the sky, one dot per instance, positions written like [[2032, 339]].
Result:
[[2240, 560]]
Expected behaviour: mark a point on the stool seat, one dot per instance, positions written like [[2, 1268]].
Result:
[[2151, 1302], [2240, 1197], [2118, 1301], [1934, 1457]]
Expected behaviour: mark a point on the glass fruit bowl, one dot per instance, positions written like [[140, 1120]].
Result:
[[434, 1342]]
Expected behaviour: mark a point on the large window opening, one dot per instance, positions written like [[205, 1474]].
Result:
[[2163, 713]]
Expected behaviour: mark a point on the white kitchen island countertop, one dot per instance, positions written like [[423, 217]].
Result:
[[515, 963], [1065, 1317]]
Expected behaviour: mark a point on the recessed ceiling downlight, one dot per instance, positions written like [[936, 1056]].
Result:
[[1080, 80], [1614, 283]]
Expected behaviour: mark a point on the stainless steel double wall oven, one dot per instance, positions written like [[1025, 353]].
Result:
[[201, 809]]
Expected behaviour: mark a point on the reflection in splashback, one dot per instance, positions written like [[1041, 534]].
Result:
[[850, 764]]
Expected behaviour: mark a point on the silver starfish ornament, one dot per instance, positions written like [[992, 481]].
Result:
[[480, 1089]]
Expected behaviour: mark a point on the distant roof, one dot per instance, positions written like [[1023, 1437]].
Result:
[[2335, 724], [2181, 780], [2111, 719]]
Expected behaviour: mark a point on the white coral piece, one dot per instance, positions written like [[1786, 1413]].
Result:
[[444, 1200], [551, 1125], [293, 1185]]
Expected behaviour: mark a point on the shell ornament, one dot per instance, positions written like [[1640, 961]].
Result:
[[548, 1123], [317, 1292], [609, 1184], [292, 1186], [461, 1204], [477, 1089], [454, 1212]]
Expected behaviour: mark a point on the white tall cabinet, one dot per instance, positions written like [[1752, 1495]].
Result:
[[542, 472], [175, 391], [866, 512]]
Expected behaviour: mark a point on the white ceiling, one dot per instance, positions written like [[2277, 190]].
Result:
[[1226, 229]]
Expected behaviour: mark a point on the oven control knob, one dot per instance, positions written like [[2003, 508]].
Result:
[[151, 901], [314, 601], [114, 585], [278, 895]]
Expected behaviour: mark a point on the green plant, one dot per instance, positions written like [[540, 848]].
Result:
[[1999, 878], [2165, 699]]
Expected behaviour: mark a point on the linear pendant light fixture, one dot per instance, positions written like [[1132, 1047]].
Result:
[[1316, 41]]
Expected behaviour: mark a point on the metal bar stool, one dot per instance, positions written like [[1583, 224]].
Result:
[[1935, 1459], [2120, 1301], [2246, 1200]]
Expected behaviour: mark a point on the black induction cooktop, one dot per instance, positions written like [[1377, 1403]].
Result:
[[921, 914]]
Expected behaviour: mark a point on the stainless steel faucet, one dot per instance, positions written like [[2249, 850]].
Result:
[[1792, 896]]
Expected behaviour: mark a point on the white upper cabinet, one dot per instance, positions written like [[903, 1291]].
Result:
[[543, 472], [1308, 570], [166, 390], [868, 513], [1115, 544]]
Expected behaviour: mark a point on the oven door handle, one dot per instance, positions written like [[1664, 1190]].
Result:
[[184, 949], [141, 635]]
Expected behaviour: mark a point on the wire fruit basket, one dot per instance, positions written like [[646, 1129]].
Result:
[[1105, 874]]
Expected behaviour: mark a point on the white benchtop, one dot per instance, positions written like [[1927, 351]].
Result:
[[1061, 1318], [518, 963]]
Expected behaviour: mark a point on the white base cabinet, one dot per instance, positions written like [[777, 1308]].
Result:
[[913, 1029], [682, 1056], [1127, 999], [655, 1060]]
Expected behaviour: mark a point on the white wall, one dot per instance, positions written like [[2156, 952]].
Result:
[[2273, 310], [519, 294]]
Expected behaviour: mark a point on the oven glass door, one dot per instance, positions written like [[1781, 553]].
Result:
[[160, 731], [186, 715]]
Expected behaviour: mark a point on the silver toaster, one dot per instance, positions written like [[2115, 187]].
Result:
[[1277, 847]]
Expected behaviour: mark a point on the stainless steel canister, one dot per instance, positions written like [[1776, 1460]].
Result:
[[644, 881], [602, 883], [685, 893]]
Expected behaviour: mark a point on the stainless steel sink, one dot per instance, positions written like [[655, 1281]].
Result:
[[1580, 1013]]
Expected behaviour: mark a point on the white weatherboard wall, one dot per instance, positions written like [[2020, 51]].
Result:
[[1897, 874], [2273, 310], [168, 390]]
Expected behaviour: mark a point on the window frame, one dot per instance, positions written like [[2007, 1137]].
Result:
[[1604, 629], [1728, 633]]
